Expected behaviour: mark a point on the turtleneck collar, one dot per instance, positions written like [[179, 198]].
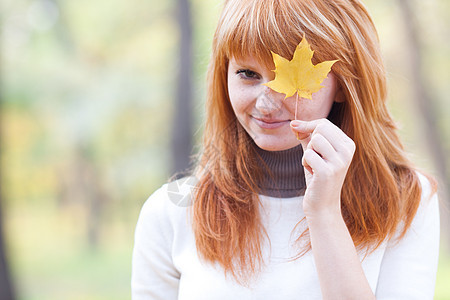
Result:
[[287, 170]]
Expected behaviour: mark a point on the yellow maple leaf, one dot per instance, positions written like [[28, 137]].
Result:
[[299, 75]]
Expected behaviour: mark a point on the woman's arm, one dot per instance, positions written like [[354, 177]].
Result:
[[153, 273], [328, 153], [338, 266]]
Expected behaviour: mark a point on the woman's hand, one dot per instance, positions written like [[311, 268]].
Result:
[[327, 154]]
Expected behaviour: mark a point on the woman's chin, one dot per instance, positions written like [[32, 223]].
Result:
[[276, 144]]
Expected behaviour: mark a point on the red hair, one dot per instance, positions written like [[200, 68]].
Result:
[[381, 189]]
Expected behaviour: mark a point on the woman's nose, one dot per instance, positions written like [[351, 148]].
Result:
[[268, 101]]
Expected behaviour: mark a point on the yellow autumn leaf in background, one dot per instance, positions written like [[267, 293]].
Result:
[[299, 75]]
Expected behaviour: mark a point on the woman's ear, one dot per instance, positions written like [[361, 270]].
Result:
[[339, 97]]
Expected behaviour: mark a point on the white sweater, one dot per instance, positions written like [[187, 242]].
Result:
[[166, 265]]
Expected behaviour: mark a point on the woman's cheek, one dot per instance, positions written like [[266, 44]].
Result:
[[237, 99], [245, 97], [309, 110], [305, 110]]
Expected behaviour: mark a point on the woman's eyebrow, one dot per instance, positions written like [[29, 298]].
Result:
[[243, 65]]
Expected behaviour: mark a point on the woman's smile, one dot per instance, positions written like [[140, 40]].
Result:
[[270, 123]]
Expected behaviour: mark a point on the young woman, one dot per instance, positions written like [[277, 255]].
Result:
[[327, 206]]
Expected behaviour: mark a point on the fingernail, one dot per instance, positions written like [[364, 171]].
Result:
[[296, 123]]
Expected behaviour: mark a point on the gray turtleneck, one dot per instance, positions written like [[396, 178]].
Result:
[[287, 170]]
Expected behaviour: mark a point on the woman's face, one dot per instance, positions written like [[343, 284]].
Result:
[[264, 113]]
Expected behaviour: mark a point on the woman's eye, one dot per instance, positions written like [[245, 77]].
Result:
[[247, 74]]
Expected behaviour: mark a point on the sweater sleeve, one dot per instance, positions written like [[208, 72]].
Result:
[[153, 273], [409, 266]]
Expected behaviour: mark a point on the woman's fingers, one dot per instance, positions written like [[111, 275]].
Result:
[[313, 162], [332, 146], [323, 147], [333, 134]]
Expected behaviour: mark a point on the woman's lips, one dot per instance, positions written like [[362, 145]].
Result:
[[270, 124]]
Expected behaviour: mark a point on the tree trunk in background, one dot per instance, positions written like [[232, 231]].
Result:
[[423, 98], [181, 132], [80, 182], [6, 288]]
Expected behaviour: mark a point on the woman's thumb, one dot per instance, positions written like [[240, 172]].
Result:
[[301, 131]]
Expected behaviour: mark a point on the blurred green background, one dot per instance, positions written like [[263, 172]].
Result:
[[88, 91]]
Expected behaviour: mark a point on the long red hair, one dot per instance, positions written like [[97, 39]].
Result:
[[381, 190]]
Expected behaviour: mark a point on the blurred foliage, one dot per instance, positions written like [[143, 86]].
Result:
[[87, 91]]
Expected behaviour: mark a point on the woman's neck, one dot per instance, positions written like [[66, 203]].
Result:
[[286, 167]]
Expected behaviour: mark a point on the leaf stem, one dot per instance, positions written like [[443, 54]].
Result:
[[295, 117]]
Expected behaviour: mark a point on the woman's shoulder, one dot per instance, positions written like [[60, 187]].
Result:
[[171, 198], [425, 181], [426, 218], [429, 190]]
